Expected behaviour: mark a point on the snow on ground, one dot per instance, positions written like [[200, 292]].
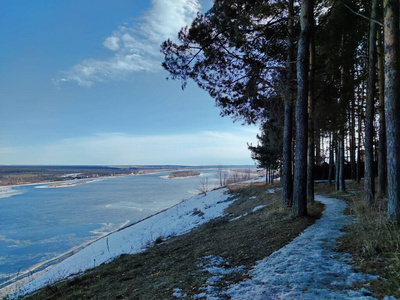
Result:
[[308, 267], [217, 266], [177, 220], [6, 191], [258, 208]]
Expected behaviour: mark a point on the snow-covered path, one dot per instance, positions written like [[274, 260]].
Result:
[[308, 267]]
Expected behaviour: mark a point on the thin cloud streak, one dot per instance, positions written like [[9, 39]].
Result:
[[137, 47], [116, 148]]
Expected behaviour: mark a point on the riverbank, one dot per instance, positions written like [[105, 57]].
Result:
[[176, 220], [229, 214]]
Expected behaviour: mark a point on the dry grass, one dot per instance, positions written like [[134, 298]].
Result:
[[155, 273], [373, 242]]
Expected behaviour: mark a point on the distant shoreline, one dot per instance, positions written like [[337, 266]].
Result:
[[183, 174], [60, 183]]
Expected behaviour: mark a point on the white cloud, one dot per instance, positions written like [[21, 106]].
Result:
[[116, 148], [136, 47], [112, 43]]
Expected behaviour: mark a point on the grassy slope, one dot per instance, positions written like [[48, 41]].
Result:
[[155, 273]]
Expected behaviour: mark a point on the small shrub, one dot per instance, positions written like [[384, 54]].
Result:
[[159, 240], [197, 212]]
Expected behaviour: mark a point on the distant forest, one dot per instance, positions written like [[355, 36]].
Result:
[[321, 77], [13, 175]]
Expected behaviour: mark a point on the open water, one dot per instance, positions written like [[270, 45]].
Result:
[[39, 224]]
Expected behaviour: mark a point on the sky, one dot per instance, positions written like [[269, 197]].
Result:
[[81, 83]]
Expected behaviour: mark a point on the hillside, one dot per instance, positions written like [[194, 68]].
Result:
[[220, 256]]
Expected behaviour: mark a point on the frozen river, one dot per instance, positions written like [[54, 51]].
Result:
[[38, 224]]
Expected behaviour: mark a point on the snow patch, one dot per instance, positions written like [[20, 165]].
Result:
[[238, 217], [178, 293], [6, 192], [217, 266], [258, 208]]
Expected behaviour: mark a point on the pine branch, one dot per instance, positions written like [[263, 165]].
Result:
[[361, 15]]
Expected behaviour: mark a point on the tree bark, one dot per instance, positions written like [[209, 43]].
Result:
[[303, 61], [340, 163], [311, 144], [287, 175], [352, 135], [392, 105], [344, 92], [359, 130], [317, 142], [369, 180], [382, 163], [331, 158], [337, 162]]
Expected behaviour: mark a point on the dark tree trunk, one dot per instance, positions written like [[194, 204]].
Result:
[[287, 156], [352, 135], [359, 130], [331, 158], [287, 175], [303, 61], [317, 142], [344, 92], [392, 105], [369, 181], [340, 163], [337, 162], [310, 144], [382, 175]]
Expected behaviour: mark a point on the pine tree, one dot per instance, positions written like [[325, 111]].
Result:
[[392, 105], [303, 62]]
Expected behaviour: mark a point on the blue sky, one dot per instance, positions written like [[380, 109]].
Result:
[[81, 83]]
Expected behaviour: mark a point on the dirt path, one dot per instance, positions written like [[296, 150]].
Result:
[[308, 267]]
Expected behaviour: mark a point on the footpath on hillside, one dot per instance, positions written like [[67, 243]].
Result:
[[306, 268]]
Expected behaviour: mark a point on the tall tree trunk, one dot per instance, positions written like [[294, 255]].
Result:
[[303, 61], [331, 158], [352, 135], [340, 162], [310, 144], [369, 180], [392, 105], [337, 162], [288, 121], [359, 130], [317, 143], [341, 153], [382, 175]]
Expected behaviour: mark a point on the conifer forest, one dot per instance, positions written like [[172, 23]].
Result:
[[320, 77]]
